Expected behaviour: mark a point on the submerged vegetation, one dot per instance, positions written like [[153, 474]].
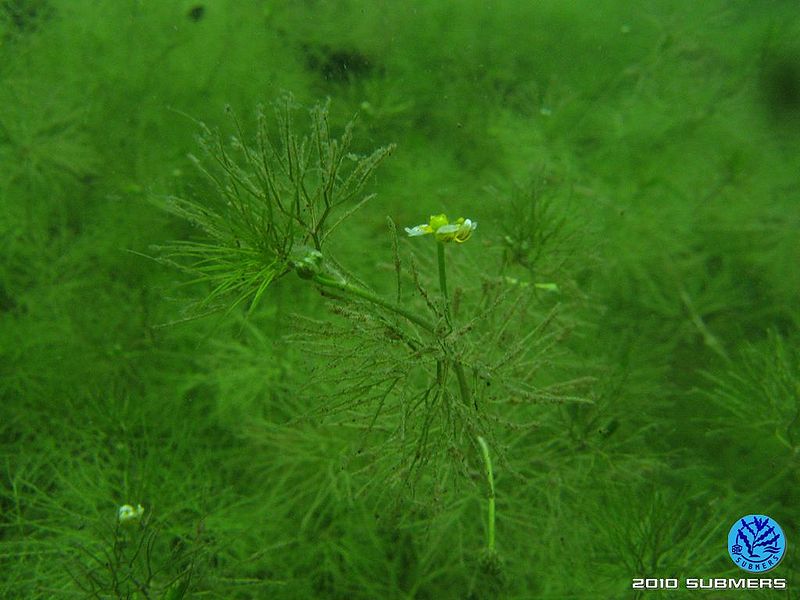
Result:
[[465, 315]]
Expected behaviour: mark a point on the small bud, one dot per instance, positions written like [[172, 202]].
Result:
[[306, 261]]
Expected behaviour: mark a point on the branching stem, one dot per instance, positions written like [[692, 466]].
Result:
[[443, 282], [372, 298], [359, 292]]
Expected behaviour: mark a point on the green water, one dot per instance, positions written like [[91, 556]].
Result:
[[593, 387]]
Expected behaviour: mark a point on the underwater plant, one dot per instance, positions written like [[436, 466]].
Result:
[[418, 384], [275, 202], [126, 564], [311, 439]]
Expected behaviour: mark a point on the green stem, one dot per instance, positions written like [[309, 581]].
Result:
[[463, 384], [443, 281], [487, 461], [370, 297]]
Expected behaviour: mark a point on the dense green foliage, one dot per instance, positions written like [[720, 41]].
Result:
[[611, 380]]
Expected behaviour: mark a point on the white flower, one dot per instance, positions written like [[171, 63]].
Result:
[[127, 514], [459, 231]]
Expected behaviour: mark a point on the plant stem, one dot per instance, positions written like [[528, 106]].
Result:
[[487, 461], [443, 281], [463, 385], [370, 297]]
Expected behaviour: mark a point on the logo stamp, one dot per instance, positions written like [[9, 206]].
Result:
[[756, 543]]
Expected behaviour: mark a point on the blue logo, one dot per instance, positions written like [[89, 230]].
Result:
[[756, 543]]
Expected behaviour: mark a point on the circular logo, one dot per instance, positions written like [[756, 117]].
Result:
[[756, 543]]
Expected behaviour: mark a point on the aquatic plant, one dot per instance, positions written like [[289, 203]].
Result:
[[128, 564], [416, 384], [274, 204], [286, 445]]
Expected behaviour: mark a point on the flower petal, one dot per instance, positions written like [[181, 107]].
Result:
[[423, 229], [446, 233], [465, 231]]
